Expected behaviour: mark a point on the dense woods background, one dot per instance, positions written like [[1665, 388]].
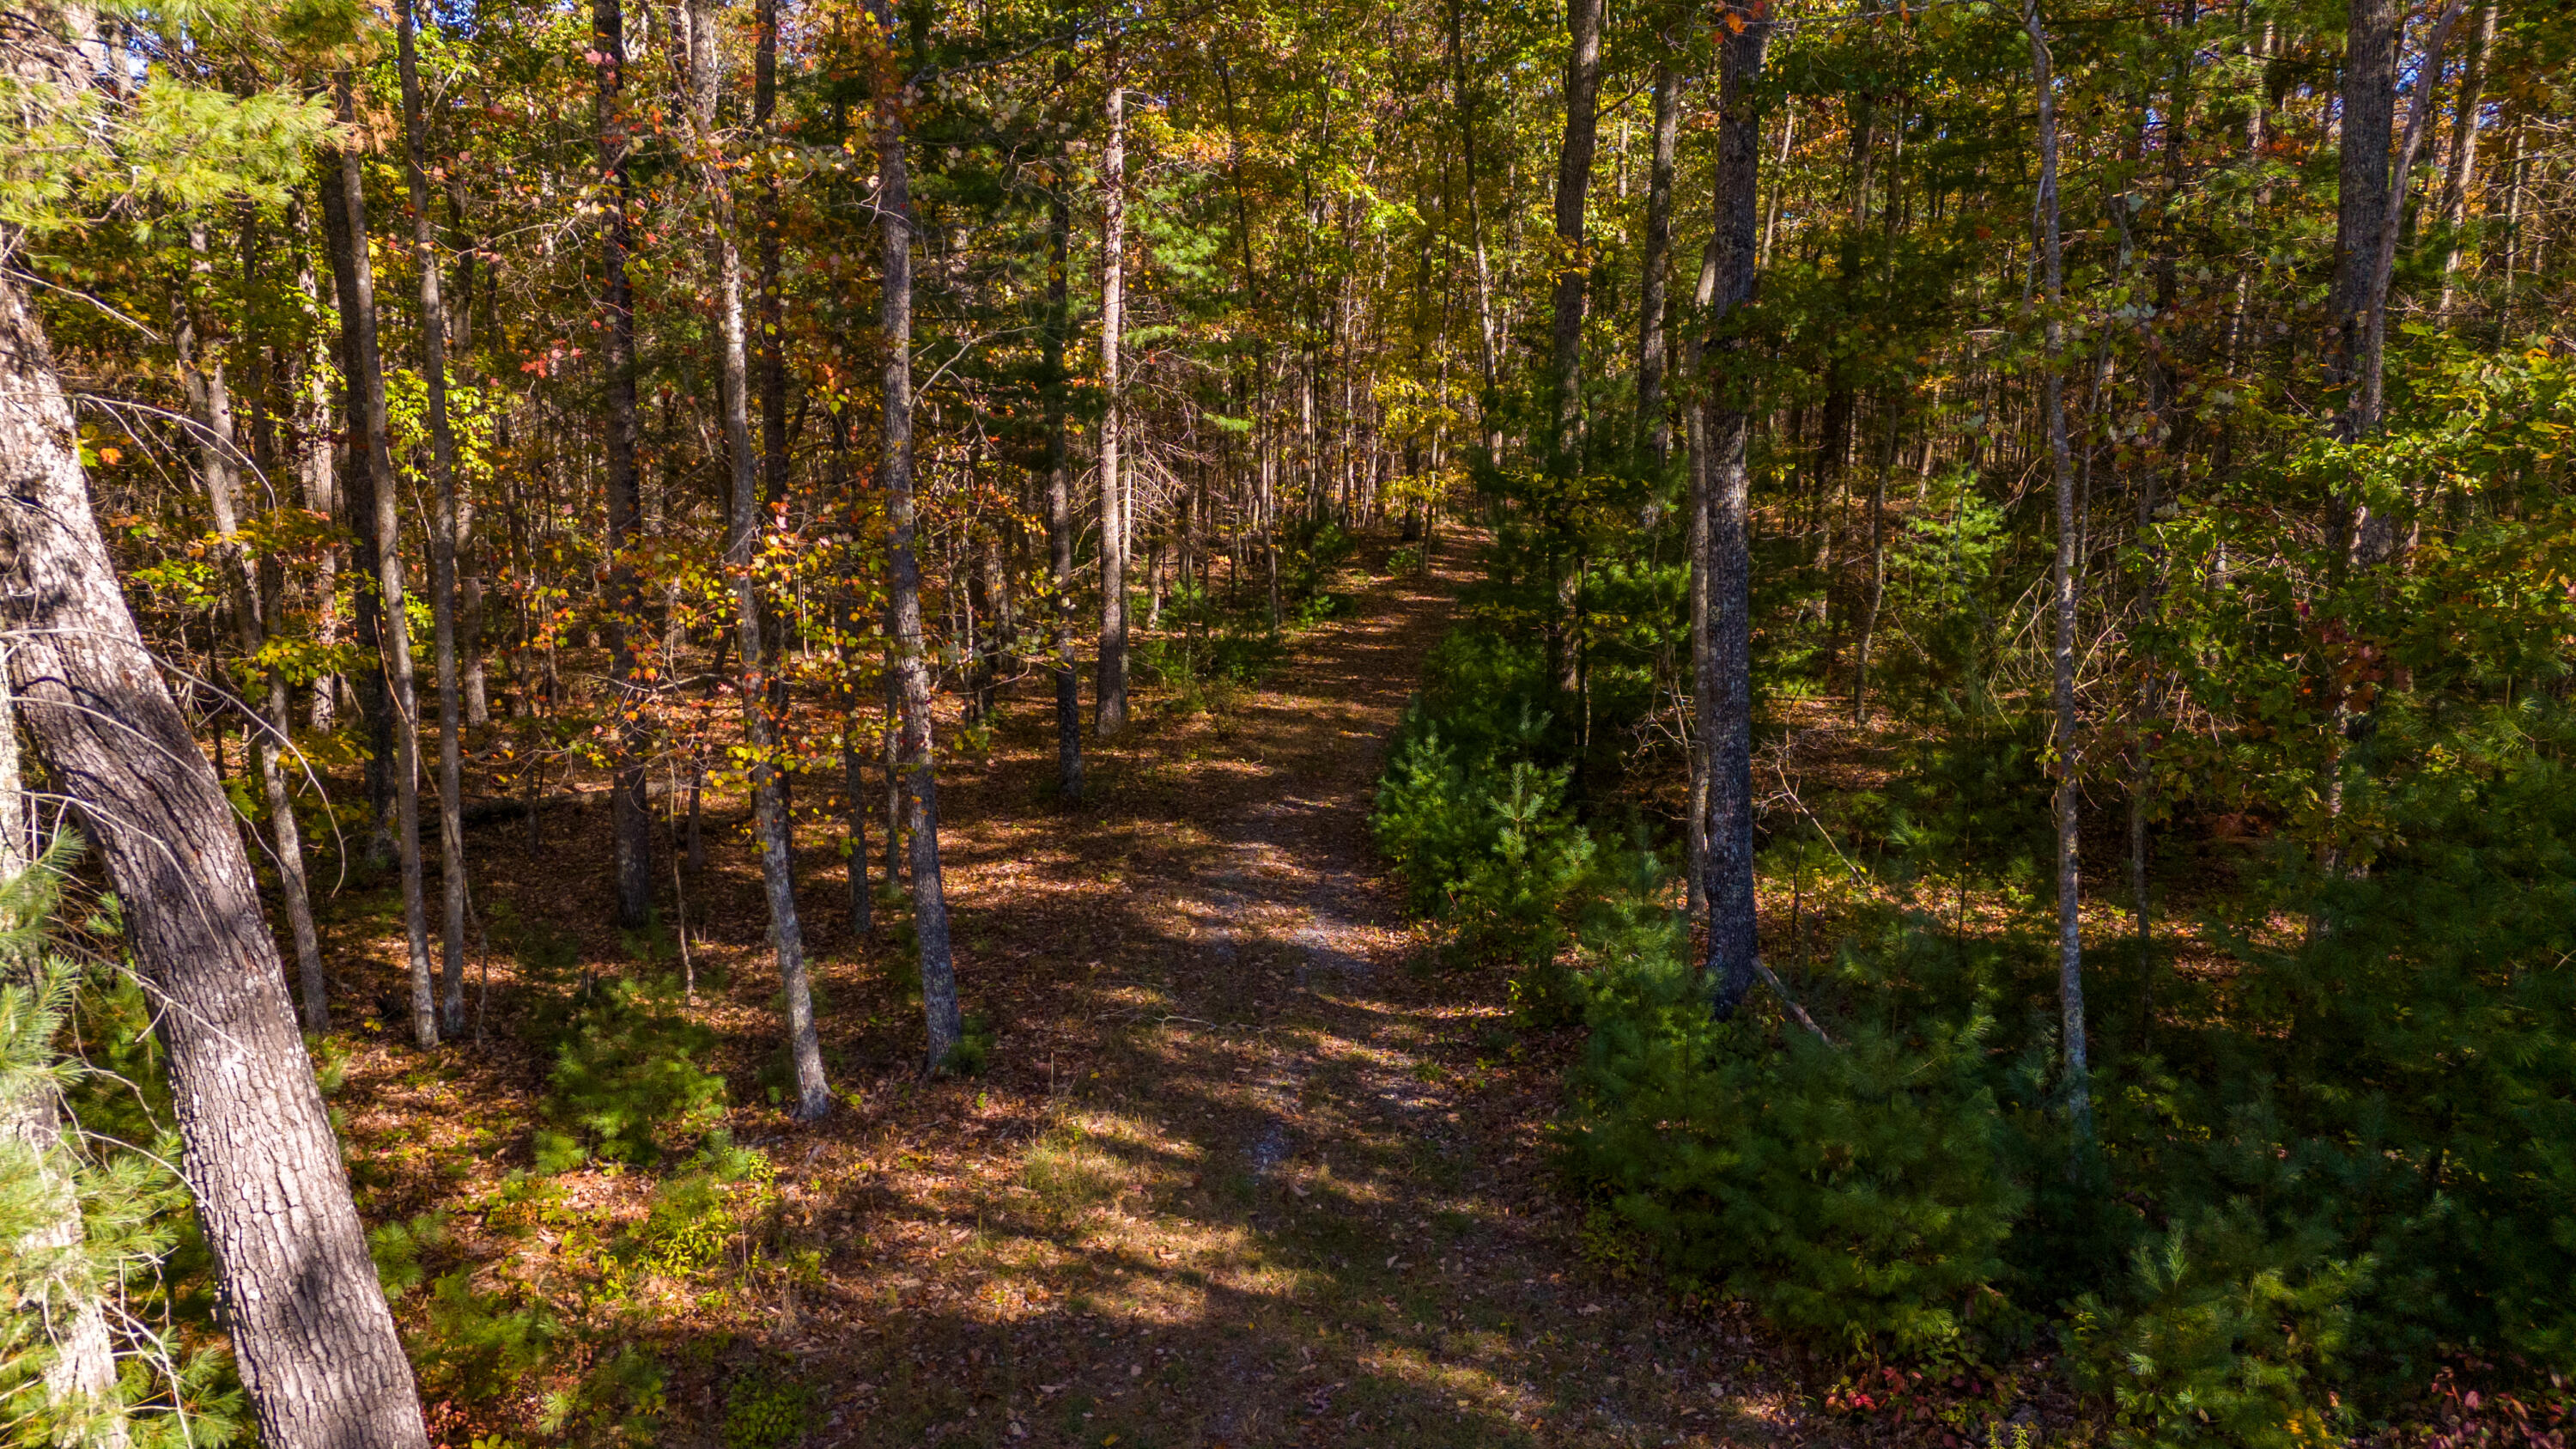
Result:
[[2007, 751]]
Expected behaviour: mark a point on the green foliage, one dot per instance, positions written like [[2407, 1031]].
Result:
[[2218, 1337], [1852, 1191], [398, 1247], [91, 1210], [626, 1083], [768, 1410], [478, 1343]]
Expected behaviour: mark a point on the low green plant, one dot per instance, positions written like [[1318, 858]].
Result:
[[1853, 1192], [2220, 1336], [768, 1410], [627, 1084]]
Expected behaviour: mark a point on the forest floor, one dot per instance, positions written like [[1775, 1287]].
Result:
[[1246, 1167]]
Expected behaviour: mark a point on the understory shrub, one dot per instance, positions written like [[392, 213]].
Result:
[[1852, 1191], [627, 1084]]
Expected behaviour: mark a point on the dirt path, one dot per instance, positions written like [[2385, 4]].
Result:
[[1245, 1172]]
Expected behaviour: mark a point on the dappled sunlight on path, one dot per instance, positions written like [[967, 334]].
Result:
[[1244, 1172]]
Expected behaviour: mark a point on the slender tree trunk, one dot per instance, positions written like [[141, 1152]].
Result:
[[2066, 746], [1059, 497], [316, 1348], [1572, 262], [403, 702], [357, 502], [946, 1027], [442, 544], [2361, 196], [2462, 162], [631, 818], [1725, 690], [1877, 578], [2378, 535], [218, 459], [1110, 702], [742, 554], [1652, 425], [1462, 98]]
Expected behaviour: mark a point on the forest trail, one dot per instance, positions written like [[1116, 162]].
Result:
[[1246, 1172]]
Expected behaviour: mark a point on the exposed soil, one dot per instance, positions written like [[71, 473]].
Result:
[[1246, 1167]]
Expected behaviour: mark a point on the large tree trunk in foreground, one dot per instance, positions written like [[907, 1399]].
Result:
[[316, 1347], [946, 1028], [742, 552], [2070, 938], [442, 543], [1724, 689]]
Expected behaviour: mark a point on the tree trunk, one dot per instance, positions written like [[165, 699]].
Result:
[[357, 506], [2070, 921], [316, 1348], [402, 703], [1573, 265], [742, 553], [929, 902], [1059, 498], [1725, 690], [2462, 163], [442, 544], [1109, 704], [2361, 197], [631, 822], [1652, 425], [218, 460]]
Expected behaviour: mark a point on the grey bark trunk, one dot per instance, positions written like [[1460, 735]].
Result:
[[1573, 183], [2462, 163], [442, 544], [80, 1381], [316, 1347], [742, 551], [219, 457], [1059, 501], [1109, 703], [2070, 937], [929, 902], [1652, 424], [631, 820], [401, 702], [1725, 690]]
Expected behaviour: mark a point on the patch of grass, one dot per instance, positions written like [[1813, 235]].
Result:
[[1069, 1175]]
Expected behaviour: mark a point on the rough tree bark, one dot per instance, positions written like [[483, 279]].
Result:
[[316, 1347], [929, 900], [1724, 690], [80, 1382], [1572, 265]]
